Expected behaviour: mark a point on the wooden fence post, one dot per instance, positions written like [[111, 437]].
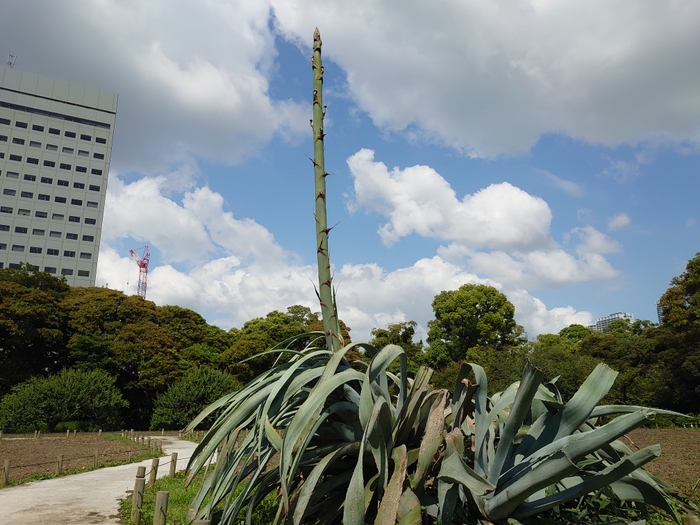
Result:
[[173, 464], [154, 472], [5, 478], [99, 433], [67, 433], [0, 434], [35, 434], [129, 455], [59, 465], [162, 431], [161, 511], [137, 496], [74, 432], [148, 442], [96, 459]]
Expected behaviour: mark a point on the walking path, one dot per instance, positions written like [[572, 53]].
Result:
[[82, 499]]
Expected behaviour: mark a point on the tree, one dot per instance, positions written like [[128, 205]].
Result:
[[680, 305], [400, 334], [475, 315], [87, 398], [186, 398]]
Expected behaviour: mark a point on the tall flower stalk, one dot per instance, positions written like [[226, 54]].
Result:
[[325, 279]]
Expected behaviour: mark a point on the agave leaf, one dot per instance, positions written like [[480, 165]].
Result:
[[379, 440], [354, 508], [481, 426], [528, 387], [633, 489], [606, 410], [389, 506], [590, 484], [455, 470], [407, 416], [409, 509], [432, 439]]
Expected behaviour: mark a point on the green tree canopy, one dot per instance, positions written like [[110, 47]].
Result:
[[475, 315]]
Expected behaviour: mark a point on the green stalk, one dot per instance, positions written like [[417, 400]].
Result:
[[325, 279]]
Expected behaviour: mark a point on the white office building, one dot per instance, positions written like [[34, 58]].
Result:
[[603, 322], [55, 146]]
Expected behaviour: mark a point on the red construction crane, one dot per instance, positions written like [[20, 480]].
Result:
[[142, 263]]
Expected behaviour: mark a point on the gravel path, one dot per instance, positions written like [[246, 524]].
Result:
[[81, 499]]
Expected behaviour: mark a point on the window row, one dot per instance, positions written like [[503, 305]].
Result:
[[44, 197], [52, 114], [52, 164], [49, 180], [45, 215], [50, 269], [52, 147], [41, 232], [49, 251]]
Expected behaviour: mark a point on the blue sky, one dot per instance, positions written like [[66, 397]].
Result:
[[546, 148]]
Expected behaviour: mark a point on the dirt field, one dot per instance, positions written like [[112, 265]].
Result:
[[29, 457]]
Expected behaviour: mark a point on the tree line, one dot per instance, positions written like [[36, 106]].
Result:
[[158, 365]]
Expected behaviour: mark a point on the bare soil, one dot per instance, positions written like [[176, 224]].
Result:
[[33, 457]]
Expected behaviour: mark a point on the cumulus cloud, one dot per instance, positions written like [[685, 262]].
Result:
[[192, 77], [491, 78], [418, 200], [618, 221]]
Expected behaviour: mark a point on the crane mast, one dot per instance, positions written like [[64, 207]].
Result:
[[142, 263]]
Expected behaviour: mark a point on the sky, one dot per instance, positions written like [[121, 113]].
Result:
[[549, 149]]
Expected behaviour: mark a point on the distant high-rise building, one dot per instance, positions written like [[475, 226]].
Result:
[[55, 148], [601, 323], [659, 312]]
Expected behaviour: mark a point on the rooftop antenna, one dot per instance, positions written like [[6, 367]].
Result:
[[11, 59]]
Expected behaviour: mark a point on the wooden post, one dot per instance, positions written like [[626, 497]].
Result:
[[35, 434], [162, 431], [96, 459], [0, 434], [173, 464], [59, 465], [38, 434], [74, 432], [137, 496], [5, 478], [690, 520], [99, 433], [129, 455], [154, 472], [148, 442], [67, 433], [160, 513]]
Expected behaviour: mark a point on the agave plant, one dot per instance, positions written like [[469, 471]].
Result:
[[340, 441]]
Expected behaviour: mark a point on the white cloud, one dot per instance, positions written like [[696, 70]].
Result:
[[490, 78], [537, 319], [565, 185], [621, 171], [418, 200], [619, 221]]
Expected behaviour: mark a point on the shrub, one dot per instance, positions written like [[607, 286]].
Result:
[[88, 399], [189, 396]]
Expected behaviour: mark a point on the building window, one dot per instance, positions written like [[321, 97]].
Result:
[[72, 236], [49, 164], [55, 234], [100, 156], [47, 180], [37, 127], [76, 202], [18, 158], [32, 160], [27, 194], [12, 175], [5, 121], [41, 214], [20, 211], [85, 255], [57, 217], [3, 138], [69, 134], [81, 169], [17, 248], [85, 137], [52, 147], [62, 183], [17, 140], [94, 188], [8, 191], [79, 185], [54, 131], [61, 200], [5, 209], [83, 153], [65, 166], [83, 273], [34, 249], [94, 171], [66, 271], [44, 197], [51, 251], [3, 246], [37, 231], [31, 178], [20, 229], [100, 140], [88, 238], [4, 227], [91, 204], [49, 269], [90, 221], [73, 218], [67, 150], [68, 253], [34, 144], [14, 266], [22, 125]]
